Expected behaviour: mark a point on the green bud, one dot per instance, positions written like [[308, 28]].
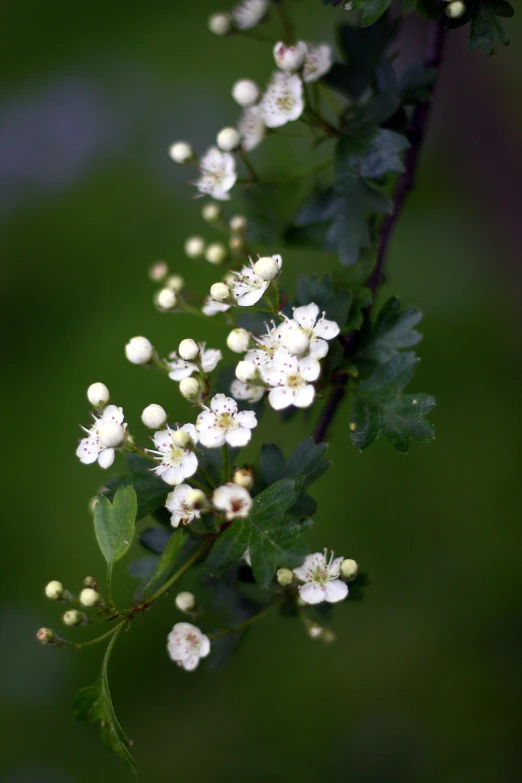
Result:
[[54, 590], [285, 576], [89, 597], [73, 617], [45, 635], [349, 570], [90, 581]]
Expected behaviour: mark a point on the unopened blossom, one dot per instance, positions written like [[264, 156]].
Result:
[[318, 62], [107, 433], [290, 58], [218, 174], [180, 506], [291, 379], [211, 307], [282, 101], [233, 500], [248, 392], [248, 287], [186, 645], [245, 92], [321, 579], [248, 13], [181, 368], [251, 128], [223, 423], [318, 328], [176, 462]]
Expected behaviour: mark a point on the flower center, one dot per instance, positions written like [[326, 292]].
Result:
[[192, 640], [225, 421], [319, 575], [176, 455], [295, 381], [285, 102]]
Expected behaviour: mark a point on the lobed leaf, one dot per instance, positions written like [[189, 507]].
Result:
[[392, 331], [486, 30]]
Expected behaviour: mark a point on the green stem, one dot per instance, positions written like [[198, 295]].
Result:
[[246, 623], [248, 164], [286, 22], [302, 174], [179, 573], [226, 465], [80, 645]]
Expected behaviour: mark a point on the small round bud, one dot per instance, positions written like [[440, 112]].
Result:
[[54, 590], [236, 243], [238, 223], [243, 478], [228, 139], [196, 498], [158, 271], [154, 416], [139, 350], [219, 24], [165, 299], [246, 371], [455, 10], [230, 279], [188, 350], [190, 389], [90, 581], [290, 58], [186, 602], [285, 576], [296, 341], [89, 597], [211, 212], [216, 253], [73, 617], [245, 92], [266, 268], [349, 570], [220, 292], [181, 439], [181, 152], [238, 340], [194, 247], [111, 434], [175, 283], [44, 635], [98, 394]]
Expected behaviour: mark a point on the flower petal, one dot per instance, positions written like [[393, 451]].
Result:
[[220, 404], [247, 419], [306, 316], [312, 593], [106, 458], [304, 396], [336, 591], [190, 662], [238, 437], [280, 398], [204, 648], [326, 329]]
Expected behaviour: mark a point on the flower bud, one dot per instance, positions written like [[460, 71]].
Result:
[[190, 389], [236, 243], [285, 576], [290, 58], [194, 247], [111, 434], [89, 597], [216, 253], [188, 349], [243, 478], [349, 570], [228, 139], [296, 341], [238, 224], [181, 152], [230, 279], [158, 271], [246, 371], [139, 350], [455, 10], [45, 635], [175, 283], [154, 416], [266, 268], [186, 602], [219, 24], [220, 292], [98, 394], [238, 340], [73, 617], [197, 499], [211, 212], [315, 631], [90, 581], [54, 590], [245, 92], [165, 299]]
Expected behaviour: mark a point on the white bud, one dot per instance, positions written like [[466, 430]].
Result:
[[158, 271], [349, 569], [296, 341], [219, 24], [54, 590], [111, 434], [181, 152], [238, 340], [246, 371], [98, 394], [194, 247], [285, 576], [455, 10], [243, 478], [165, 299], [245, 92], [230, 279], [188, 349], [44, 635], [186, 602], [315, 631], [266, 268], [139, 350], [175, 283], [181, 438], [211, 212], [236, 243], [216, 253], [73, 617], [190, 389], [290, 58], [220, 292], [238, 223], [228, 139], [89, 597], [196, 498], [90, 581], [154, 416]]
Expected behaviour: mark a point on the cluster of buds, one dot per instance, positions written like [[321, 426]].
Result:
[[166, 297], [88, 598]]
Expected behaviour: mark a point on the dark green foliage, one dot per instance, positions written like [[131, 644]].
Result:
[[487, 31], [393, 331], [306, 460], [371, 10], [150, 490], [323, 293], [114, 525]]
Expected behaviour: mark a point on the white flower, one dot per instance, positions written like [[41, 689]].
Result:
[[251, 128], [318, 62], [246, 371], [248, 288], [211, 212], [233, 500], [249, 392], [321, 579], [218, 174], [211, 307], [245, 92], [283, 100], [176, 463], [186, 645], [109, 428], [216, 253], [290, 376], [181, 368], [238, 223], [290, 58], [186, 602], [296, 341], [248, 13], [220, 292], [318, 329], [178, 503], [223, 423], [268, 344]]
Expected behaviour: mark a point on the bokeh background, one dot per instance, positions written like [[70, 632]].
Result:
[[423, 683]]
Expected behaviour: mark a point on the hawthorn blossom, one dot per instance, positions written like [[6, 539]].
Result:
[[211, 307], [290, 378], [178, 503], [176, 462], [223, 423], [107, 433], [181, 368], [318, 62], [218, 174], [290, 58], [251, 128], [186, 645], [248, 288], [233, 500], [321, 579], [248, 13], [319, 330], [249, 392], [282, 101], [268, 344]]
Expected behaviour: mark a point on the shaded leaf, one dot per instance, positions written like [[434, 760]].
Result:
[[371, 10], [392, 331], [151, 492], [114, 525], [155, 539], [307, 460], [168, 557], [486, 30]]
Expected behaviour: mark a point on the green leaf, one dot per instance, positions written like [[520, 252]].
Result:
[[392, 331], [94, 703], [167, 558], [382, 155], [323, 293], [150, 490], [114, 525], [272, 464], [307, 460], [487, 31], [371, 10]]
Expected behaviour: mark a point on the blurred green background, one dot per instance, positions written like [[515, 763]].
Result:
[[423, 683]]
